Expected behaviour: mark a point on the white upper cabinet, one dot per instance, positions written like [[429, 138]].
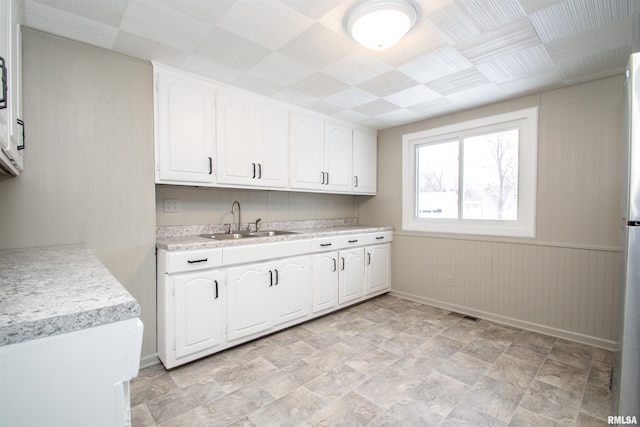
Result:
[[11, 124], [253, 140], [210, 134], [365, 148], [185, 118], [321, 154]]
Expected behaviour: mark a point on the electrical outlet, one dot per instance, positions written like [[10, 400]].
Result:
[[450, 281], [328, 205], [171, 205]]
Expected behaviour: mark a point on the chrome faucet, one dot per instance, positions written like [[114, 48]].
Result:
[[233, 210]]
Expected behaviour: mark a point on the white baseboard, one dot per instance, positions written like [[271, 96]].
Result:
[[509, 321], [149, 360]]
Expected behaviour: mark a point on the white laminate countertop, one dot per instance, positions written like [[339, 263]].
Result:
[[183, 243], [53, 290]]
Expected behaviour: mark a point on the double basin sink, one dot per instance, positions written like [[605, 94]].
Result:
[[246, 234]]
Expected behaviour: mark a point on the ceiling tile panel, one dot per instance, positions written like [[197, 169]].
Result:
[[324, 107], [163, 24], [204, 10], [281, 70], [351, 97], [436, 64], [388, 83], [66, 24], [516, 65], [592, 41], [357, 68], [256, 84], [412, 96], [398, 117], [430, 108], [377, 107], [534, 82], [231, 50], [509, 38], [600, 64], [295, 97], [463, 20], [476, 95], [457, 82], [314, 9], [571, 17], [317, 47], [319, 85], [139, 47], [269, 23], [208, 68], [106, 12]]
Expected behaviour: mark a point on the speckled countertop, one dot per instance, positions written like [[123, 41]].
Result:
[[53, 290], [181, 238]]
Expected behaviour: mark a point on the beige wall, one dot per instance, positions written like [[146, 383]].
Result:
[[88, 163], [213, 205], [563, 282]]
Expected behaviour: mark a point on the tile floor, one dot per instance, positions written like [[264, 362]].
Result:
[[385, 362]]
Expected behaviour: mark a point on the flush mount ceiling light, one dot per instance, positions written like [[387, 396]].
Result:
[[379, 24]]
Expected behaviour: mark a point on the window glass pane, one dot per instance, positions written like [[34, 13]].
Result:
[[437, 166], [491, 176]]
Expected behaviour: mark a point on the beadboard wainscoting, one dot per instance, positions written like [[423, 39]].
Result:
[[568, 292]]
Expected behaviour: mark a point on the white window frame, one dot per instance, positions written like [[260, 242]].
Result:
[[527, 122]]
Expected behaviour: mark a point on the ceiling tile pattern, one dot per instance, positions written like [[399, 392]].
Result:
[[460, 54]]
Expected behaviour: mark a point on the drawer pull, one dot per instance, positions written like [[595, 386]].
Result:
[[379, 237], [353, 241], [325, 244], [195, 261], [335, 265]]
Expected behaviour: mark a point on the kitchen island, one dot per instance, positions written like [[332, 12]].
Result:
[[70, 339]]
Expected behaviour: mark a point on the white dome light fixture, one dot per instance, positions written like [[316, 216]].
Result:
[[379, 24]]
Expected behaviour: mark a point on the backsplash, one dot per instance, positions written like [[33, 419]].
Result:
[[192, 230]]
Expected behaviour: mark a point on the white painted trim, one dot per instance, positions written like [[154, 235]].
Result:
[[509, 321]]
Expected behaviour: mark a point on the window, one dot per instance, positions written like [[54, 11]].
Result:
[[476, 177]]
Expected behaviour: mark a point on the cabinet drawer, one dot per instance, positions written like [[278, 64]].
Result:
[[350, 240], [199, 259]]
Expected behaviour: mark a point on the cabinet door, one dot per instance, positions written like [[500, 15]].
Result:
[[377, 268], [365, 157], [249, 304], [198, 311], [292, 289], [351, 281], [325, 281], [272, 134], [237, 148], [185, 130], [307, 152], [338, 155]]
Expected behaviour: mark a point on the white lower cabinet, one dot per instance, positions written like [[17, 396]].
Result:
[[325, 281], [192, 315], [264, 295], [377, 268], [199, 311], [351, 274], [208, 301]]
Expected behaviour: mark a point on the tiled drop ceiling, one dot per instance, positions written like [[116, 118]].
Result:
[[460, 54]]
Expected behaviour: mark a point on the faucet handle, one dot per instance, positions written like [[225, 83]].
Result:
[[228, 228], [255, 224]]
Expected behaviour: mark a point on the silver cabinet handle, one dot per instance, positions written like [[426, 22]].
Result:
[[327, 179], [335, 264], [323, 178], [270, 278], [342, 263], [369, 258], [210, 165], [259, 170], [254, 171], [356, 181]]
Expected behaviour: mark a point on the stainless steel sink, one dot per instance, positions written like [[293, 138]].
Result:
[[246, 234]]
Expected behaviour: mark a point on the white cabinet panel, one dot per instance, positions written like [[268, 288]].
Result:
[[252, 142], [199, 312], [351, 266], [365, 157], [377, 274], [249, 296], [185, 117], [338, 155], [292, 290], [325, 281], [307, 152]]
